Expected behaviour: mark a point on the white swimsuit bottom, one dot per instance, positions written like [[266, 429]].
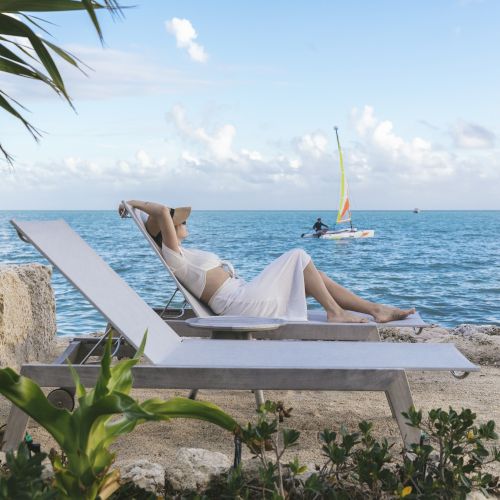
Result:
[[277, 292]]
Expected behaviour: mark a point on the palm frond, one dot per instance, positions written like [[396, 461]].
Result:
[[14, 22], [4, 103], [7, 157]]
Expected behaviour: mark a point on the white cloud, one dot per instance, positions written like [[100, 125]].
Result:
[[113, 73], [386, 154], [205, 163], [185, 36], [471, 136], [219, 143], [314, 144]]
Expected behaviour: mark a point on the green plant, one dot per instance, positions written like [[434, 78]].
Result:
[[21, 476], [104, 413], [449, 463], [23, 52], [267, 436]]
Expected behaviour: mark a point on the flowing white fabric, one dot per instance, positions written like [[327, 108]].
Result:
[[277, 292]]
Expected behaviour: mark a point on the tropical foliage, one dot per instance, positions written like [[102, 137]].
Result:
[[28, 55], [21, 476], [83, 469], [448, 463]]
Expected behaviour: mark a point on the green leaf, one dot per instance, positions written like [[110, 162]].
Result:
[[8, 158], [290, 437], [69, 58], [7, 53], [28, 396], [10, 109], [11, 26], [45, 5]]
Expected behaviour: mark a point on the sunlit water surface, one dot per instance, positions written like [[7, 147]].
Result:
[[444, 263]]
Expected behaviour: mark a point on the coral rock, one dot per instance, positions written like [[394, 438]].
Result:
[[27, 314], [193, 468]]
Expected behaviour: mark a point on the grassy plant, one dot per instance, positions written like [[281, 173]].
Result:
[[104, 413]]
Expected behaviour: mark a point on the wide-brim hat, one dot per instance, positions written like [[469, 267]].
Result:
[[180, 214]]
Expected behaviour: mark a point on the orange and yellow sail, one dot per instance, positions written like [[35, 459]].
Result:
[[344, 213]]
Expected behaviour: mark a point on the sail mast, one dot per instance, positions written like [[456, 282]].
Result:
[[344, 213]]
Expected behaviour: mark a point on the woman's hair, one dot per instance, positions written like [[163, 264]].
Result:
[[157, 239]]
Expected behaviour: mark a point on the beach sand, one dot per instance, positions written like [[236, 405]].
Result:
[[312, 412]]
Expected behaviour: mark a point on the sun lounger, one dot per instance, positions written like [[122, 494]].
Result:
[[221, 364], [317, 328]]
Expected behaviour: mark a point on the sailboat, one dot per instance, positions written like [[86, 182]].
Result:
[[344, 212]]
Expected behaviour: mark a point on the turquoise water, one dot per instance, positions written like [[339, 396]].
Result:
[[444, 263]]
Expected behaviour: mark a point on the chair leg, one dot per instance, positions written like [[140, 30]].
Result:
[[16, 427], [400, 400], [390, 404], [259, 397]]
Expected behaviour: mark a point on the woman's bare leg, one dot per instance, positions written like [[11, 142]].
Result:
[[348, 300], [316, 287]]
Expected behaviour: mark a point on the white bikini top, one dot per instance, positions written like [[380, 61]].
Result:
[[191, 266]]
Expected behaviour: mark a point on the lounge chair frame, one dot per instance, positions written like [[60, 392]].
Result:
[[184, 363]]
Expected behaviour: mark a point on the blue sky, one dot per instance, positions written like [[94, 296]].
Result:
[[230, 105]]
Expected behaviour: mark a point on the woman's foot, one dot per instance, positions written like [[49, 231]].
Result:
[[343, 316], [384, 314]]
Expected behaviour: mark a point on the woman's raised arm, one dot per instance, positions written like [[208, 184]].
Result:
[[162, 217]]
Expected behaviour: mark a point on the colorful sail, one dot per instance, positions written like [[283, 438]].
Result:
[[344, 213]]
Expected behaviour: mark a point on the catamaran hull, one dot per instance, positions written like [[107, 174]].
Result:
[[367, 233], [339, 235]]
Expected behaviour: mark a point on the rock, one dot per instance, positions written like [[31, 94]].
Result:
[[476, 495], [47, 470], [470, 330], [27, 314], [193, 468], [149, 476]]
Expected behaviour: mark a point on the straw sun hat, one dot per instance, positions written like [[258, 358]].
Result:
[[180, 214]]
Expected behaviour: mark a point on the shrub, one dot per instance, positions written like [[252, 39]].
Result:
[[447, 463], [21, 476]]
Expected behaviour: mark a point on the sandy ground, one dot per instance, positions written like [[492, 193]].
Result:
[[312, 412]]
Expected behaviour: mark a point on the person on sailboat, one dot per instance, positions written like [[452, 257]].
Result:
[[318, 227], [279, 291]]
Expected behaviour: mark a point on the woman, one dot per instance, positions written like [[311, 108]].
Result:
[[279, 291]]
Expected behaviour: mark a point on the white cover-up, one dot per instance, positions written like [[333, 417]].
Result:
[[277, 292], [191, 265]]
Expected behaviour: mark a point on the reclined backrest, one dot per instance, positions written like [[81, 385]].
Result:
[[104, 289], [201, 310]]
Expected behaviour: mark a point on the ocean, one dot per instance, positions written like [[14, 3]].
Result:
[[445, 263]]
